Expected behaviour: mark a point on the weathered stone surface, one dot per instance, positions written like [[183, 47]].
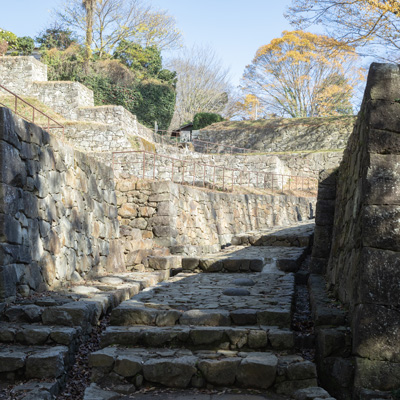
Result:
[[48, 363], [311, 393], [258, 371], [219, 372], [301, 370], [236, 292], [205, 336], [376, 375], [257, 339], [244, 317], [275, 317], [190, 263], [281, 338], [127, 365], [173, 372], [167, 262], [93, 392], [376, 333], [205, 317], [11, 360], [243, 282]]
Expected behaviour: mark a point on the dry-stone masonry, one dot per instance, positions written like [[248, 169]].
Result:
[[277, 135], [188, 220], [363, 268], [58, 211]]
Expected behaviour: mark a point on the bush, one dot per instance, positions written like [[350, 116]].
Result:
[[202, 120], [157, 104], [24, 46], [9, 37]]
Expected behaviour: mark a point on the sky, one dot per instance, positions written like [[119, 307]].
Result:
[[234, 29]]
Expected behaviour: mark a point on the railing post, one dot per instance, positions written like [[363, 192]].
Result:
[[144, 164], [154, 166]]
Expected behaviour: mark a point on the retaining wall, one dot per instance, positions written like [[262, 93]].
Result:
[[363, 271], [57, 208], [279, 134], [159, 216]]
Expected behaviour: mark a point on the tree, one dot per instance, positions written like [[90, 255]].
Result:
[[89, 6], [303, 75], [56, 36], [371, 23], [202, 85], [118, 20]]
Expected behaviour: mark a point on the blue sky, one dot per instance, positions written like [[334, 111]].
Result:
[[235, 29]]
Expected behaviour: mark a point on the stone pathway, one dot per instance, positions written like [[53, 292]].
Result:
[[225, 321]]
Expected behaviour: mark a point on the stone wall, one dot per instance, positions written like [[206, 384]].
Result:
[[364, 265], [324, 221], [276, 135], [63, 97], [18, 73], [57, 209], [158, 217]]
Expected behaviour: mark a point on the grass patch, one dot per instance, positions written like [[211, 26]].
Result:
[[25, 111]]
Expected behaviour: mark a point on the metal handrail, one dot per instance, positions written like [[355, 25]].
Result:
[[34, 110], [230, 176]]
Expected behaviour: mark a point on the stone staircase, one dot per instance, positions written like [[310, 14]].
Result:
[[224, 321], [40, 335]]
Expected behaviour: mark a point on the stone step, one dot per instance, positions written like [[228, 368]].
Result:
[[84, 304], [247, 259], [35, 334], [19, 362], [115, 366], [228, 338], [297, 236], [212, 300]]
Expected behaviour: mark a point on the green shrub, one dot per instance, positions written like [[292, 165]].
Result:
[[9, 37], [24, 46], [202, 120]]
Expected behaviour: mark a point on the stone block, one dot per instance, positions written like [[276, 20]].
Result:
[[334, 342], [210, 264], [201, 336], [93, 392], [104, 358], [172, 372], [205, 317], [281, 338], [379, 277], [219, 372], [382, 115], [301, 370], [382, 184], [165, 263], [11, 360], [376, 375], [8, 281], [376, 332], [277, 316], [383, 142], [48, 363], [257, 339], [311, 393], [190, 263], [244, 316], [257, 371], [13, 169], [127, 365], [381, 227], [325, 212], [383, 81]]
